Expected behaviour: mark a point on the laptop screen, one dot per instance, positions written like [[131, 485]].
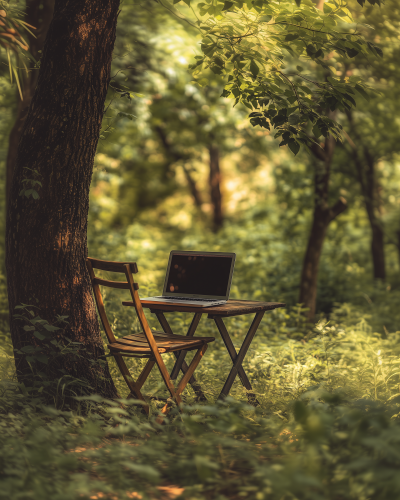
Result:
[[204, 274]]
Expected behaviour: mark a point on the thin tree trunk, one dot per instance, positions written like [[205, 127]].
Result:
[[398, 245], [38, 14], [47, 238], [215, 191], [309, 275], [322, 217], [365, 167], [193, 187], [175, 156], [378, 252]]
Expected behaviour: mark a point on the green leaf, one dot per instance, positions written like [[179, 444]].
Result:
[[187, 2], [265, 19], [227, 6], [311, 50], [28, 348], [51, 328], [126, 115], [291, 36], [294, 147], [248, 105], [42, 358], [294, 118], [254, 69], [316, 131], [361, 91], [29, 328], [39, 335], [352, 52]]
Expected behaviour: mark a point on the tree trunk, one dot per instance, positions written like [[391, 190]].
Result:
[[371, 199], [365, 167], [309, 275], [38, 14], [193, 187], [215, 191], [398, 245], [175, 156], [377, 250], [322, 217], [47, 238]]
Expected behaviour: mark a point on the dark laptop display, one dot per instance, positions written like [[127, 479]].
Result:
[[199, 275], [197, 278]]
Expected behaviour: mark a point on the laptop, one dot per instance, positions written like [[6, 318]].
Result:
[[202, 279]]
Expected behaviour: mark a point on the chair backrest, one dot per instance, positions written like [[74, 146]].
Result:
[[127, 268]]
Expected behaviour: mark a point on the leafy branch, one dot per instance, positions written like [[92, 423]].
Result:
[[30, 184], [255, 48], [13, 42]]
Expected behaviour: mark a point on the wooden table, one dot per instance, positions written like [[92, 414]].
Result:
[[217, 313]]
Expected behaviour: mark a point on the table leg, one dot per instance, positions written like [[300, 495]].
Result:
[[180, 363], [181, 357], [237, 358]]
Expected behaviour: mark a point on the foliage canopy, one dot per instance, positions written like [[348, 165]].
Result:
[[257, 46]]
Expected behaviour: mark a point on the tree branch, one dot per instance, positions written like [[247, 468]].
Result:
[[339, 207]]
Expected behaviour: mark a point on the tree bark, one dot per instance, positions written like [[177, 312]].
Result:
[[47, 238], [365, 167], [322, 217], [378, 251], [215, 191], [38, 14], [398, 245], [175, 156], [193, 187]]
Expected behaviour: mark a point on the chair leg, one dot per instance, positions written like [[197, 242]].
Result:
[[133, 387], [167, 379], [145, 373], [193, 365]]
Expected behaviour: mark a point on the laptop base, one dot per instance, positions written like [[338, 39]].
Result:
[[188, 302]]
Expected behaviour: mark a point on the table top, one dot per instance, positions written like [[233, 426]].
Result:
[[231, 308]]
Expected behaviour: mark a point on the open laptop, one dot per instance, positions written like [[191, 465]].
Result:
[[197, 278]]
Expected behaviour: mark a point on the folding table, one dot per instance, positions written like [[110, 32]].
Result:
[[217, 313]]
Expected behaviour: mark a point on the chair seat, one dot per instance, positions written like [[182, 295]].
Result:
[[137, 343]]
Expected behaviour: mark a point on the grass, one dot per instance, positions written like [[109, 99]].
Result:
[[328, 425]]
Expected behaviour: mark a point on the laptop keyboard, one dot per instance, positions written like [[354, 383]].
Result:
[[188, 298]]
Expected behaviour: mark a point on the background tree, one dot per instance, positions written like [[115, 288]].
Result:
[[368, 142], [373, 128]]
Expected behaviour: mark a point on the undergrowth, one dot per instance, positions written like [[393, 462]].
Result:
[[328, 426]]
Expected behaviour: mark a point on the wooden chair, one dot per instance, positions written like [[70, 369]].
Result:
[[146, 344]]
